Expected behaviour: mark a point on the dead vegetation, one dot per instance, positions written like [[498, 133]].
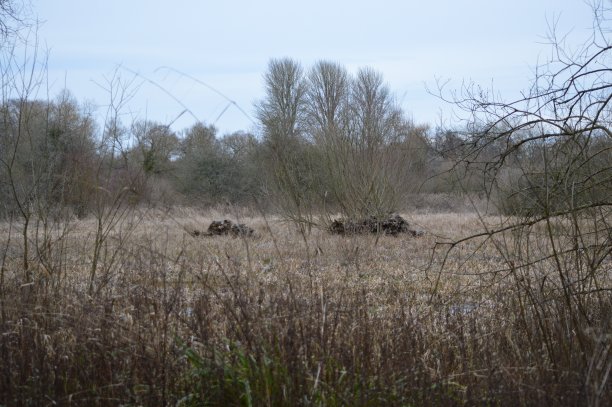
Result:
[[367, 320]]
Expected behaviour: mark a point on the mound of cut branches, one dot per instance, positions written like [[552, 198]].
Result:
[[392, 225], [226, 227]]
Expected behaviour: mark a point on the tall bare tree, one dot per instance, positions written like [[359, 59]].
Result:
[[338, 143], [281, 114], [364, 143]]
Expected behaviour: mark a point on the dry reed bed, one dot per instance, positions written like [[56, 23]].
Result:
[[285, 319]]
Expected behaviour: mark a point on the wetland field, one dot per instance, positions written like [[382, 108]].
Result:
[[147, 313]]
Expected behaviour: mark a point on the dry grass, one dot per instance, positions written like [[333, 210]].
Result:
[[286, 319]]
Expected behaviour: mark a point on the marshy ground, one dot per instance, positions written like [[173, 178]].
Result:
[[290, 318]]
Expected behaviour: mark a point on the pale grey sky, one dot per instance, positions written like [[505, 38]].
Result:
[[227, 45]]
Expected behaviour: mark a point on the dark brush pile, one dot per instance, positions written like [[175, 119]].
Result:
[[226, 227], [220, 227], [392, 225]]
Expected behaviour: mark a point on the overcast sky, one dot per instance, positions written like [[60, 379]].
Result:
[[227, 45]]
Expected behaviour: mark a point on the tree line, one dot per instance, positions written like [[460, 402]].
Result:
[[328, 141], [325, 138]]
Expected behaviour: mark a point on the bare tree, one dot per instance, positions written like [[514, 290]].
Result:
[[376, 123], [327, 99], [23, 120], [281, 114], [338, 143], [14, 19], [364, 143], [549, 154], [116, 183]]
